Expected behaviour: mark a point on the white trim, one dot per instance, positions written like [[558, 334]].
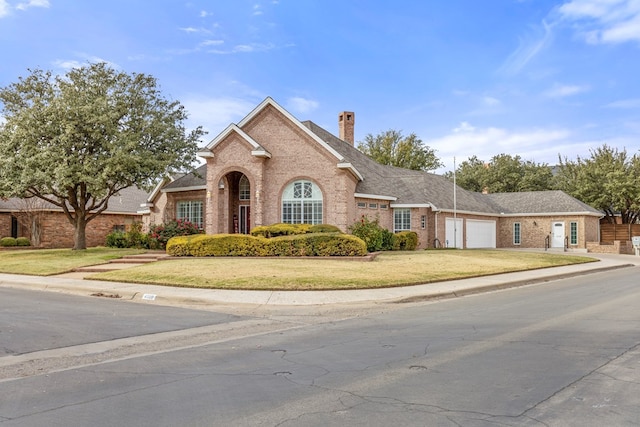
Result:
[[269, 101], [411, 205], [175, 190], [348, 166], [164, 181], [261, 153], [146, 205], [205, 154], [552, 214], [374, 196]]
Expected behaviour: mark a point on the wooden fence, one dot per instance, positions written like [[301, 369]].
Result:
[[611, 232]]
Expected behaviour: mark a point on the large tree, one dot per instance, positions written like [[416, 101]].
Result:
[[78, 139], [392, 148], [503, 174], [608, 180]]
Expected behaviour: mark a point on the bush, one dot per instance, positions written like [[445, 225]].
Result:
[[324, 228], [159, 234], [316, 244], [217, 245], [280, 229], [8, 242], [405, 241], [23, 241], [116, 239], [374, 235], [134, 238]]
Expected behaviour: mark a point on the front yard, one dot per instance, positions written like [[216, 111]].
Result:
[[387, 270]]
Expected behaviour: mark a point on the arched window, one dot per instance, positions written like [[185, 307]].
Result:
[[244, 188], [302, 203]]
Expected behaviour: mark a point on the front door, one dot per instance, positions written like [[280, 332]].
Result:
[[245, 219], [557, 235]]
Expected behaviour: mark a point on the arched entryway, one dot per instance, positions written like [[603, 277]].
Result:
[[236, 203]]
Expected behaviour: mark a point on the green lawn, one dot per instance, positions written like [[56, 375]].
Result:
[[387, 270], [46, 262]]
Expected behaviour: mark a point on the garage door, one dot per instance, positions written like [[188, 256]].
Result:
[[481, 234], [453, 237]]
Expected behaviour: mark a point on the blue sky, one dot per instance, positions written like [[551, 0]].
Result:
[[536, 78]]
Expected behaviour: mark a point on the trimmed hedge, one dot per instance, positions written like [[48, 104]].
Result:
[[8, 242], [23, 241], [313, 244], [405, 241], [280, 229]]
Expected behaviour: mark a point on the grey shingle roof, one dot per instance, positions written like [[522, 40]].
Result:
[[126, 201], [532, 202], [417, 187], [193, 179]]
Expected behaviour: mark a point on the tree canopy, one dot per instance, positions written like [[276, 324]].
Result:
[[503, 174], [78, 139], [608, 180], [392, 148]]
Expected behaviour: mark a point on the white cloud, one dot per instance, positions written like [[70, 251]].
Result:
[[4, 8], [561, 91], [245, 48], [539, 145], [193, 30], [32, 3], [212, 43], [301, 105], [527, 50], [204, 14], [68, 64], [624, 103], [604, 21], [257, 10], [491, 101], [215, 114]]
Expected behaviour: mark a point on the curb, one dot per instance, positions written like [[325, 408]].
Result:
[[506, 285]]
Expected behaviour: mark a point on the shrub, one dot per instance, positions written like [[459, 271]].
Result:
[[374, 235], [405, 241], [324, 228], [116, 239], [217, 245], [316, 244], [23, 241], [136, 238], [8, 241], [280, 229], [159, 234]]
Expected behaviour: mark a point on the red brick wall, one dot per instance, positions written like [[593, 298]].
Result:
[[57, 231], [5, 224]]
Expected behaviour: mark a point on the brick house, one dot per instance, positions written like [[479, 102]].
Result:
[[38, 220], [271, 168]]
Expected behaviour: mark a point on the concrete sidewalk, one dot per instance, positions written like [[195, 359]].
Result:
[[166, 295]]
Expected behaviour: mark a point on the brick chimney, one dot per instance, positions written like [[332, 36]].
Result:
[[346, 121]]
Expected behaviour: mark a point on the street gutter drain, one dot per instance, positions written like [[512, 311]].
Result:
[[103, 295]]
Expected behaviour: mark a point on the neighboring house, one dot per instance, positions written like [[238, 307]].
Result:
[[46, 225], [272, 168]]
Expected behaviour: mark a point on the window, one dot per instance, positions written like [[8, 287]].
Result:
[[362, 205], [573, 232], [244, 188], [190, 211], [373, 206], [516, 233], [401, 220], [384, 206], [119, 228], [423, 222], [302, 203]]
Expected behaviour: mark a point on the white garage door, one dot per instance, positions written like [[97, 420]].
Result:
[[481, 234], [453, 237]]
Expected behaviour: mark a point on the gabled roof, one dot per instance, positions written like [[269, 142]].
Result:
[[405, 187], [260, 151], [196, 180], [127, 201], [257, 150], [539, 203]]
